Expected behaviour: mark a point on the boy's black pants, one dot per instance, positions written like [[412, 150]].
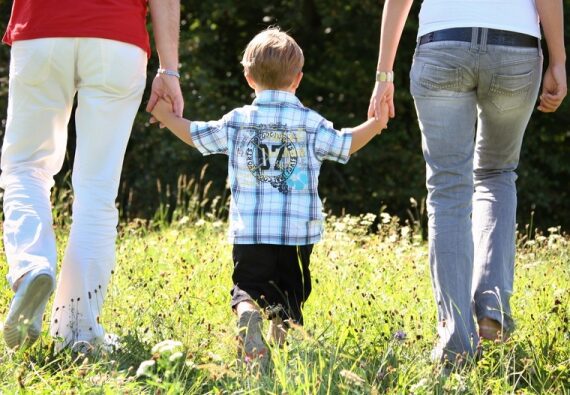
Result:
[[272, 275]]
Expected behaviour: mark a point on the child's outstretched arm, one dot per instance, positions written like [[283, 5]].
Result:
[[364, 132], [162, 111]]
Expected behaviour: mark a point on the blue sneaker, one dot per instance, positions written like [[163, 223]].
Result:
[[23, 324]]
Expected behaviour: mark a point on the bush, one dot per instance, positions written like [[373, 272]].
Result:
[[340, 41]]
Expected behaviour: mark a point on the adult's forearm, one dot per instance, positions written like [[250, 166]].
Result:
[[165, 15], [394, 17], [552, 21]]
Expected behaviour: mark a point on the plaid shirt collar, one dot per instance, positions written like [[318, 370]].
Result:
[[276, 97]]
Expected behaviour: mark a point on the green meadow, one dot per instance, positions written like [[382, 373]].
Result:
[[370, 321]]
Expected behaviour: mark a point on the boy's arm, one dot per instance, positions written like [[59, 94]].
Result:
[[364, 132], [179, 126]]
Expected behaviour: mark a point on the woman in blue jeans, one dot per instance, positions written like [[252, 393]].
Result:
[[475, 79]]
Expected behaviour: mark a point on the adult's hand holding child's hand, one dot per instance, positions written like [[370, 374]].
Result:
[[160, 111], [382, 115], [165, 87], [383, 93]]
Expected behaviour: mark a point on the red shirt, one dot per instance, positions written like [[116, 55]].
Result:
[[120, 20]]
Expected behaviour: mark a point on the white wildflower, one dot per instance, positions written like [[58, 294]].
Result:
[[145, 368], [176, 356], [167, 346]]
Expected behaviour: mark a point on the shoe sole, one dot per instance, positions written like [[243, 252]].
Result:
[[17, 331], [491, 330], [253, 349]]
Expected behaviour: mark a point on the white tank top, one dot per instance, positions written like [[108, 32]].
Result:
[[513, 15]]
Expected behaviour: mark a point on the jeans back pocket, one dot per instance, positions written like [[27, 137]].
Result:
[[508, 92], [437, 77]]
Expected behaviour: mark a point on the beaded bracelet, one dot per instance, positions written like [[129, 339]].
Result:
[[172, 73]]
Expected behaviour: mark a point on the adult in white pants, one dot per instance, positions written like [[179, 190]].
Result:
[[51, 62]]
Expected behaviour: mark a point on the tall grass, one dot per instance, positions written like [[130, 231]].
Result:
[[370, 321]]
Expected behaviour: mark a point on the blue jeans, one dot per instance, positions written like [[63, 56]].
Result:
[[473, 102]]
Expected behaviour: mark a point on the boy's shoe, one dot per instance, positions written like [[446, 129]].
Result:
[[23, 324], [252, 348], [490, 329], [277, 331]]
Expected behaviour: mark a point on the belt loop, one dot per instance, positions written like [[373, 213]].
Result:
[[483, 42], [474, 34]]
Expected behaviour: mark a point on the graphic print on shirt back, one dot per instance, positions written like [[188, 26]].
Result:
[[272, 155]]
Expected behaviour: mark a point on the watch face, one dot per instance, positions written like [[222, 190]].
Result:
[[384, 76]]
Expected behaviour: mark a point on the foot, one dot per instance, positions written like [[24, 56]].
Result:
[[108, 344], [490, 329], [277, 332], [252, 348], [23, 324]]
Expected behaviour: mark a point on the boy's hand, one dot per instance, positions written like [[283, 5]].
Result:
[[383, 93], [385, 114], [161, 110], [381, 116]]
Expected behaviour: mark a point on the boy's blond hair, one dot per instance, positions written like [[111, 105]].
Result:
[[273, 59]]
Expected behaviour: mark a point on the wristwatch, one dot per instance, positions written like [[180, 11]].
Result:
[[384, 76]]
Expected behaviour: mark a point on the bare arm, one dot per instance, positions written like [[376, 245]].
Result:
[[165, 15], [554, 84], [394, 17], [363, 133], [177, 125]]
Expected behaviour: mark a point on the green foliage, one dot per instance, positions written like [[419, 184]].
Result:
[[340, 40], [370, 321]]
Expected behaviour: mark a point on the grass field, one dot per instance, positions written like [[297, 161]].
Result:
[[370, 321]]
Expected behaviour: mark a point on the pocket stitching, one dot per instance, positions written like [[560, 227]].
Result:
[[454, 83], [510, 92], [520, 92]]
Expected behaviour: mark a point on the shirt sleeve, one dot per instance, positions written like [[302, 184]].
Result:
[[332, 144], [210, 137]]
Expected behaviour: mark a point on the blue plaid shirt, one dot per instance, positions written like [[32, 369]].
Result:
[[276, 147]]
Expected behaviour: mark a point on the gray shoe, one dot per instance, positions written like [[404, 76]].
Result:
[[23, 324], [106, 345], [252, 349]]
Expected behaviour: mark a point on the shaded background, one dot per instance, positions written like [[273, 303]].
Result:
[[340, 43]]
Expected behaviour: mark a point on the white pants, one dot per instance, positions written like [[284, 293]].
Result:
[[45, 74]]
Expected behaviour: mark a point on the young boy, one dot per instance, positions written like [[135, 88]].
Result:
[[276, 147]]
